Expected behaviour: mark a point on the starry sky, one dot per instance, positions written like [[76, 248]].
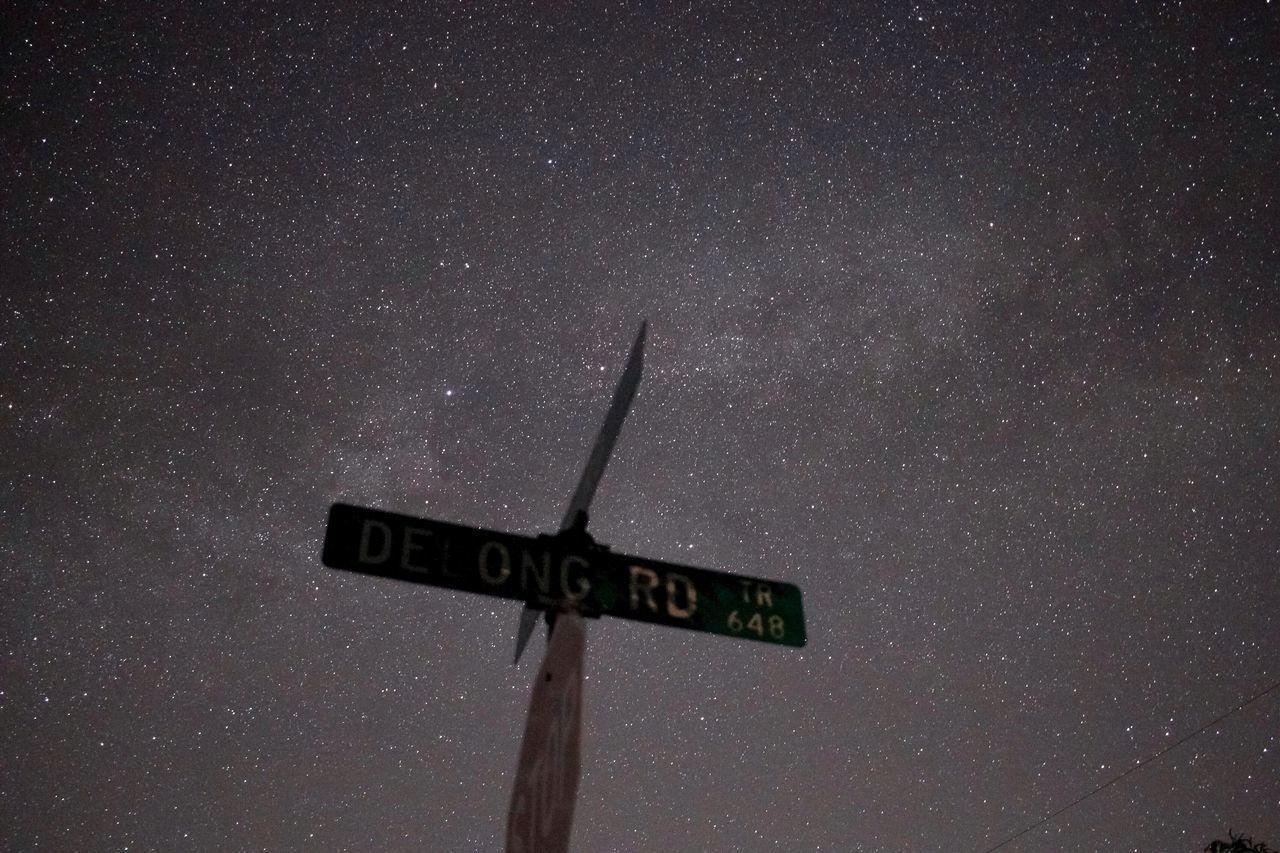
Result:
[[964, 317]]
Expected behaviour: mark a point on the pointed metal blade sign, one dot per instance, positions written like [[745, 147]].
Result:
[[608, 437], [541, 814], [594, 470]]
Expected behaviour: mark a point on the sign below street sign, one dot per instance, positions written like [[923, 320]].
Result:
[[541, 815], [562, 572]]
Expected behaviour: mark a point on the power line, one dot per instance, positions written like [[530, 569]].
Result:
[[1107, 784]]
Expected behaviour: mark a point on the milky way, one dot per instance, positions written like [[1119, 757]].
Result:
[[965, 319]]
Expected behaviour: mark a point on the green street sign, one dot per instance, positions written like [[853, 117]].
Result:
[[564, 571]]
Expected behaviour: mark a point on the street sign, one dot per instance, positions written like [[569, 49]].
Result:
[[573, 575], [541, 815], [561, 572]]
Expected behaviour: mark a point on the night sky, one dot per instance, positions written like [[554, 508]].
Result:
[[964, 318]]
